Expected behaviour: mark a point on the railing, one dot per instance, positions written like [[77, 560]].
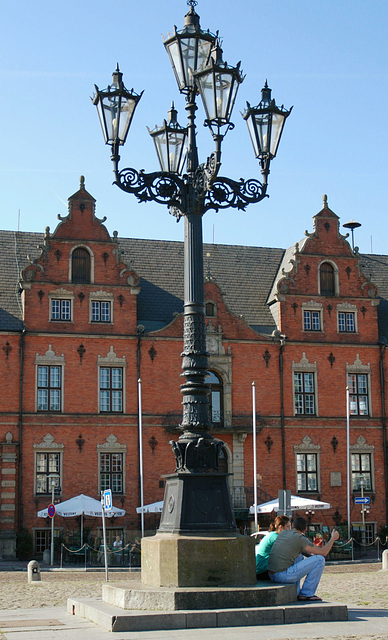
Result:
[[353, 550], [128, 556]]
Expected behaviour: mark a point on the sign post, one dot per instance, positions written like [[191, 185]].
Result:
[[284, 497], [106, 501]]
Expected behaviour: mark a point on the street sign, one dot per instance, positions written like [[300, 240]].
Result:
[[362, 500], [51, 510], [108, 499]]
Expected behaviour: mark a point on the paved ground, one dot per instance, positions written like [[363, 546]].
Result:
[[32, 611]]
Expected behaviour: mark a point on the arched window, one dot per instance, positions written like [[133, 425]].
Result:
[[216, 399], [80, 266], [327, 279]]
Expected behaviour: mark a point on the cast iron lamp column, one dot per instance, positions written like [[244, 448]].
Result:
[[197, 498]]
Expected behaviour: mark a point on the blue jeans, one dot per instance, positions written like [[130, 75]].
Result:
[[311, 567]]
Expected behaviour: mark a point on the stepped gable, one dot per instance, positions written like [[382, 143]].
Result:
[[324, 244], [79, 229], [82, 223]]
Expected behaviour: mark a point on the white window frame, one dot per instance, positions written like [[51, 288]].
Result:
[[311, 308], [357, 368], [47, 446], [304, 366], [101, 297], [49, 359], [112, 446], [361, 447], [347, 308], [307, 447], [111, 361], [62, 295]]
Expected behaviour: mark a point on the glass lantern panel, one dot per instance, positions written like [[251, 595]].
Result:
[[176, 150], [127, 107], [173, 51], [223, 86], [110, 112], [161, 150], [251, 123], [277, 127], [207, 94], [263, 132], [189, 59]]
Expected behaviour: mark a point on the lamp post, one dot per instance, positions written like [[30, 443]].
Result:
[[196, 496]]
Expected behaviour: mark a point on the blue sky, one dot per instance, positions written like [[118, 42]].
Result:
[[328, 58]]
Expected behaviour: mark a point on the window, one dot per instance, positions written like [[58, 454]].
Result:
[[60, 309], [111, 389], [210, 309], [47, 464], [361, 471], [80, 266], [346, 321], [358, 394], [307, 472], [101, 311], [49, 388], [327, 279], [311, 320], [215, 399], [42, 540], [304, 393], [111, 472]]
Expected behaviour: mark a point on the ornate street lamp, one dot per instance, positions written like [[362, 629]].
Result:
[[197, 499]]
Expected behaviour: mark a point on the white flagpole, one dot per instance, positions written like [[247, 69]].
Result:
[[141, 459], [254, 453], [348, 488]]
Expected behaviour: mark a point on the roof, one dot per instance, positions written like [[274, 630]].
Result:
[[245, 276]]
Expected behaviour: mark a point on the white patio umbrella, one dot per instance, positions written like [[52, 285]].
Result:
[[297, 503], [154, 507], [81, 506]]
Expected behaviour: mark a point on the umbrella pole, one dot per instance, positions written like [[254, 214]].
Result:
[[82, 529]]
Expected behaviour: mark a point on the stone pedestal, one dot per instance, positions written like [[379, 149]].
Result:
[[173, 560]]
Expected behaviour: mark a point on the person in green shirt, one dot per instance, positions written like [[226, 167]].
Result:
[[265, 546]]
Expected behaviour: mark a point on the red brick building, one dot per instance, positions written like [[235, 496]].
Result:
[[84, 316]]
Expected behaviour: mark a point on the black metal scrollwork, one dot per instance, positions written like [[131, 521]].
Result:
[[157, 187], [225, 193]]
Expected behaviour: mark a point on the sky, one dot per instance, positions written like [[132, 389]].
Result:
[[327, 58]]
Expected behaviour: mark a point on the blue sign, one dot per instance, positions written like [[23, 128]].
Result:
[[108, 499], [51, 510], [363, 500]]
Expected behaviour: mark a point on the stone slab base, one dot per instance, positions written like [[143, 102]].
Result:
[[173, 560], [134, 595], [114, 619]]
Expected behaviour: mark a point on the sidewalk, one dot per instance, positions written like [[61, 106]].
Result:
[[55, 624]]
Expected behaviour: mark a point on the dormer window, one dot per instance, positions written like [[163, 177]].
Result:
[[327, 279], [80, 266]]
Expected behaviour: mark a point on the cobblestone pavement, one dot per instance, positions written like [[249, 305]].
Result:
[[363, 587], [358, 584]]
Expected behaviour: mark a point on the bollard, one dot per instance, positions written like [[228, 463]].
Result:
[[33, 571], [385, 560]]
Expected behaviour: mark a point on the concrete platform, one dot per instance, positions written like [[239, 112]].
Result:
[[116, 619]]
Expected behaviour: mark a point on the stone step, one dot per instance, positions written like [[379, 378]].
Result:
[[133, 594], [116, 619]]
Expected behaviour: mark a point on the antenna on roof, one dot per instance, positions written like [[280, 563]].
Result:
[[18, 220]]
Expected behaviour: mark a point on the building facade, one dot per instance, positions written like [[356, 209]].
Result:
[[85, 315]]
